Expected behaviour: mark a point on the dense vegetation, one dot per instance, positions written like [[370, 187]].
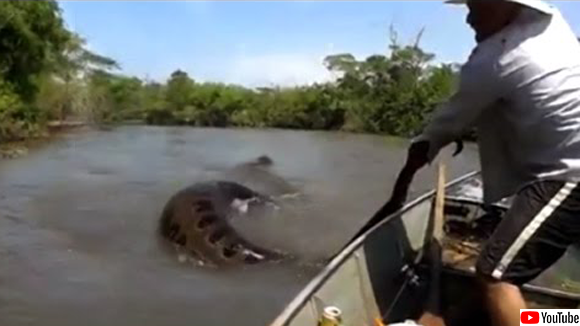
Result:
[[381, 94], [46, 73], [41, 64]]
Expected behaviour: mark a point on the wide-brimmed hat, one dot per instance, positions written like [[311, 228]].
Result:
[[538, 5]]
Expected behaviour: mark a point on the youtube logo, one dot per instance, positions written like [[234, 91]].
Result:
[[530, 317]]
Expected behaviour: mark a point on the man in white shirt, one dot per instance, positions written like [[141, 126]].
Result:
[[521, 89]]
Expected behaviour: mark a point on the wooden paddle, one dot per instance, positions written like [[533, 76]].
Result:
[[396, 202], [432, 315], [398, 196]]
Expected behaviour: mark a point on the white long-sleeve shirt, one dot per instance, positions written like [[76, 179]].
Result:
[[521, 89]]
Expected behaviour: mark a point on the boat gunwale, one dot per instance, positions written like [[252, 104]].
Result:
[[538, 289], [301, 299]]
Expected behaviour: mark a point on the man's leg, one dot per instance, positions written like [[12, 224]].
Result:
[[534, 233], [504, 301]]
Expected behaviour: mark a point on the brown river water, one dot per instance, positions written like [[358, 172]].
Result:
[[78, 219]]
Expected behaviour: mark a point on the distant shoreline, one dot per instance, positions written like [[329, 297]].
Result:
[[19, 148]]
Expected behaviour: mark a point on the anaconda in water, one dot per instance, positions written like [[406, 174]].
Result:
[[196, 219]]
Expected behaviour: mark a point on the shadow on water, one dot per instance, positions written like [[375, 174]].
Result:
[[77, 228]]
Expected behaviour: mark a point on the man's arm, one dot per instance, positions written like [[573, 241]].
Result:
[[479, 88]]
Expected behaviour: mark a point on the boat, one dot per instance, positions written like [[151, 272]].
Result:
[[389, 275]]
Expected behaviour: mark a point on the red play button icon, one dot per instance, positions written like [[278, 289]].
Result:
[[530, 317]]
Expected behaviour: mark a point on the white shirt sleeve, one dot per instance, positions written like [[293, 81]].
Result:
[[479, 88]]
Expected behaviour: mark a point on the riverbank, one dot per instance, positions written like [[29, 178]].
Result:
[[19, 148], [13, 150]]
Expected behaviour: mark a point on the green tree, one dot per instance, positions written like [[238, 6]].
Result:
[[33, 35], [11, 128], [179, 90], [390, 93], [70, 69], [155, 105]]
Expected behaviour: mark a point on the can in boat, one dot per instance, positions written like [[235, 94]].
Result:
[[406, 323], [331, 316]]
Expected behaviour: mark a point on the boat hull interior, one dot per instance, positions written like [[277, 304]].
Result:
[[388, 274]]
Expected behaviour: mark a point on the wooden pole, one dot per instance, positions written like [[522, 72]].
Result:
[[439, 218], [433, 312]]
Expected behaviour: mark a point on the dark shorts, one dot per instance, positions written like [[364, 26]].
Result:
[[543, 221]]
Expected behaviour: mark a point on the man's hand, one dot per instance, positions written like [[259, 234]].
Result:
[[417, 157]]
